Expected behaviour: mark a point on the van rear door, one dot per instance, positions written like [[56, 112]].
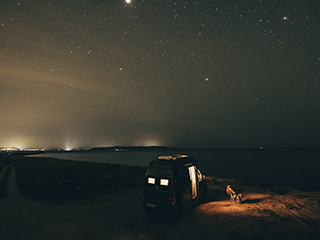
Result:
[[159, 189]]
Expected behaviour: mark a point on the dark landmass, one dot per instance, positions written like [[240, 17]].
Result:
[[4, 179], [106, 149], [56, 180], [132, 148]]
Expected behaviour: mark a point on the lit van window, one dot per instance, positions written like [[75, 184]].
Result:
[[199, 175], [151, 180], [164, 182]]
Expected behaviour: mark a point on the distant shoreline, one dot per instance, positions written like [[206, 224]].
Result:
[[147, 148]]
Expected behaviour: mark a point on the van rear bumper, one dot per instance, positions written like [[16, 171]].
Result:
[[159, 208]]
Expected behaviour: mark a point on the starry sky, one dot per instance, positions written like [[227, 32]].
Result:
[[190, 74]]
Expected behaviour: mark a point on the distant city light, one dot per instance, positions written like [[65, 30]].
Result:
[[15, 149], [69, 145]]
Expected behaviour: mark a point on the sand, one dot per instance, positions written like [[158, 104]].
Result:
[[264, 214]]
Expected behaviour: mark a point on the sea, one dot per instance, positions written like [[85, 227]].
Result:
[[282, 167]]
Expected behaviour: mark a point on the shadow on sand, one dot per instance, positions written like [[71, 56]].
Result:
[[248, 201]]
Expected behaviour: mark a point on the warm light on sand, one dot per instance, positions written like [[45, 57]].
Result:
[[226, 207]]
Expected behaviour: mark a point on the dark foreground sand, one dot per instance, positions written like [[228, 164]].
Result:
[[264, 214]]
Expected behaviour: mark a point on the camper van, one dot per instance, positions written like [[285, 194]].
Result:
[[173, 184]]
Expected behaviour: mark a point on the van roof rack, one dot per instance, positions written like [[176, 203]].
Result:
[[168, 157]]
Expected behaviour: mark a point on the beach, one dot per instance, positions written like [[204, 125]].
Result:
[[266, 213]]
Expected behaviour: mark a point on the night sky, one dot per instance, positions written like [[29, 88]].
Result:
[[190, 74]]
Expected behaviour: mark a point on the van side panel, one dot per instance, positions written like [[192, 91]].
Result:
[[184, 187]]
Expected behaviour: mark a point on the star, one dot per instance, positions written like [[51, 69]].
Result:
[[128, 1]]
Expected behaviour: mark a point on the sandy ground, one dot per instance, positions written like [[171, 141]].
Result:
[[292, 214]]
